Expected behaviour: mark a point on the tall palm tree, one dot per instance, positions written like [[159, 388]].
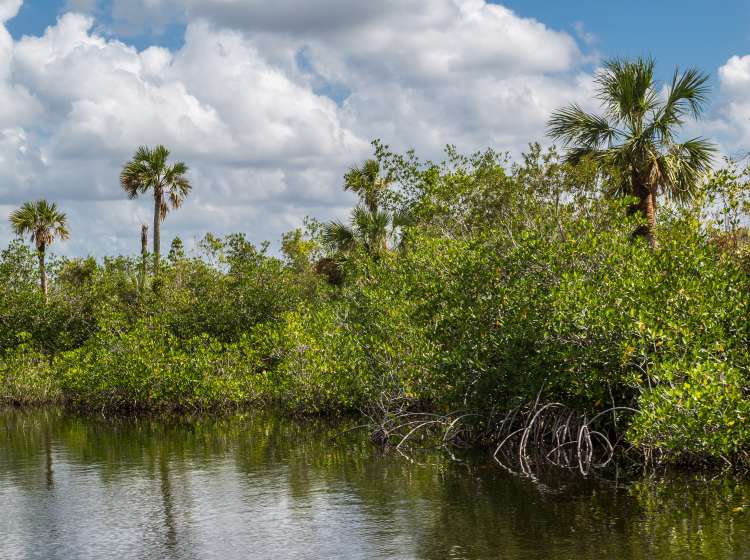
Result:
[[149, 170], [44, 223], [636, 135]]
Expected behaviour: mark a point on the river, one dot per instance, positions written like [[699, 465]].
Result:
[[258, 486]]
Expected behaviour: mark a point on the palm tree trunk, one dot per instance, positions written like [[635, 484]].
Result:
[[651, 218], [144, 254], [646, 207], [157, 231], [42, 272]]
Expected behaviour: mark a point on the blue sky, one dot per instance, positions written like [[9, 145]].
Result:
[[36, 15], [269, 102], [680, 33]]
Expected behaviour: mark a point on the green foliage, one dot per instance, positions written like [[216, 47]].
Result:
[[176, 251], [726, 207], [244, 288], [313, 363], [506, 282], [371, 227], [628, 309], [26, 376], [146, 367], [635, 139], [700, 410]]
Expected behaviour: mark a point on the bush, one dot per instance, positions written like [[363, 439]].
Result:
[[148, 367], [700, 410], [26, 377]]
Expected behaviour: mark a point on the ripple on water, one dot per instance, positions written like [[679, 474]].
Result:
[[263, 487]]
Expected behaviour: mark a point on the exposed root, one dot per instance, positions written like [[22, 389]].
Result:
[[529, 436], [555, 434], [394, 424]]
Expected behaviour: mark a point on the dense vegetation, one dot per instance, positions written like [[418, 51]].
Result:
[[471, 284]]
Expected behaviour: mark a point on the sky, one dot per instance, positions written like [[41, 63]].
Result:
[[270, 102]]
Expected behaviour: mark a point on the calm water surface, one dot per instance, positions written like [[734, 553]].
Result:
[[261, 487]]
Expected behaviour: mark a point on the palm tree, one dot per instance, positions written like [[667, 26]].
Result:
[[149, 170], [43, 222], [366, 182], [636, 135], [368, 229], [370, 226]]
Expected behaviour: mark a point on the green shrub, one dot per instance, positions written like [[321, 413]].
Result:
[[26, 376], [148, 367], [700, 410], [312, 362]]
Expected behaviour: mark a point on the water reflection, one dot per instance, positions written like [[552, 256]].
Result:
[[262, 487]]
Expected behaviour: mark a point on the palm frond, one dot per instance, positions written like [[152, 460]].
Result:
[[136, 174], [626, 90], [366, 182], [339, 237], [575, 155], [41, 221], [149, 170], [633, 143], [158, 156], [177, 185], [687, 95], [403, 219], [163, 209], [573, 125], [683, 167]]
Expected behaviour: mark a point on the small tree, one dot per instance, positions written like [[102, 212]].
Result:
[[370, 225], [176, 250], [44, 223]]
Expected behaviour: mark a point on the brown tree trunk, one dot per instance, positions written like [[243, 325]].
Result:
[[646, 207], [144, 254], [650, 212], [42, 272], [157, 232]]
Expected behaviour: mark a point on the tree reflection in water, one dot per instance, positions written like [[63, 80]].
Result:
[[261, 486]]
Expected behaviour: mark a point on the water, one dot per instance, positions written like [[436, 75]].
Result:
[[261, 487]]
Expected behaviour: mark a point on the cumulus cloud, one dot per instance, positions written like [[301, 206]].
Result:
[[267, 103], [464, 71], [9, 9], [731, 118]]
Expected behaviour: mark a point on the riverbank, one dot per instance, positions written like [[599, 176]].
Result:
[[548, 327]]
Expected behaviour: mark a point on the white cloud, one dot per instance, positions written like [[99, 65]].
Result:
[[735, 75], [242, 103], [729, 120], [385, 39], [9, 9]]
